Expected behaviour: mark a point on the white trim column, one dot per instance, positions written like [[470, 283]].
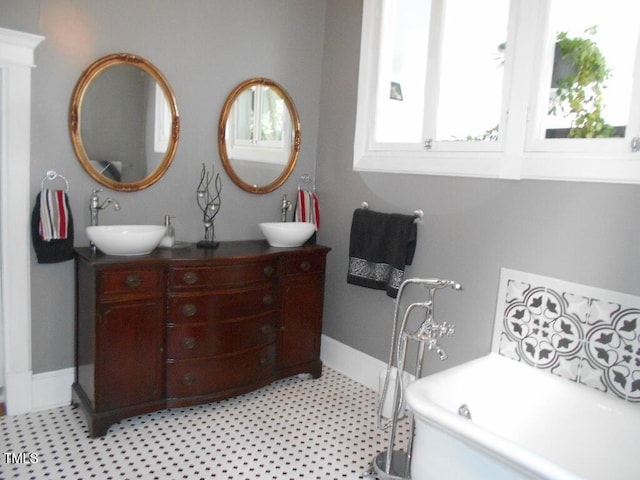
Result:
[[16, 62]]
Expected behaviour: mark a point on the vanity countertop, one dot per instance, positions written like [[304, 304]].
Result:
[[227, 250]]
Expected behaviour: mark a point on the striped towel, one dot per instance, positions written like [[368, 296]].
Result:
[[54, 215], [307, 208]]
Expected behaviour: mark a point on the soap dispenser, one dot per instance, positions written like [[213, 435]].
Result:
[[169, 238]]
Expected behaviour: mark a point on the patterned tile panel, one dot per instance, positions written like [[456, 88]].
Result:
[[584, 334]]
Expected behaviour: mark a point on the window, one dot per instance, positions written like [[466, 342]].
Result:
[[587, 79], [500, 88], [163, 120], [261, 127]]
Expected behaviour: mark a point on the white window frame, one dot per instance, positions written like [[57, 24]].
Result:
[[162, 121], [518, 155], [257, 150]]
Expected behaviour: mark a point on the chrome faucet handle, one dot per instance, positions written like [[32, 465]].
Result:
[[447, 329], [94, 198], [285, 207]]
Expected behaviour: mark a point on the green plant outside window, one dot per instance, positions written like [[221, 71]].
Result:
[[579, 94]]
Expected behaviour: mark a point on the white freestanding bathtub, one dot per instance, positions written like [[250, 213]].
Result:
[[525, 424]]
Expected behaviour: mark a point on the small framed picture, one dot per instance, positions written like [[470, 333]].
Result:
[[395, 93]]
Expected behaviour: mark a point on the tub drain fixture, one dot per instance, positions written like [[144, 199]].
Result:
[[464, 411]]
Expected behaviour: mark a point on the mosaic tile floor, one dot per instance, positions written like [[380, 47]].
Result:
[[296, 428]]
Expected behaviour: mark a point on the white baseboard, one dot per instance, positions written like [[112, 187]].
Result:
[[356, 365]]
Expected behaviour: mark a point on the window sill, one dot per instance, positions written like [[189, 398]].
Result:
[[537, 166]]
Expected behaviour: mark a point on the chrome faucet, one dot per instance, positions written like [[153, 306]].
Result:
[[95, 206], [284, 208], [430, 332], [426, 335]]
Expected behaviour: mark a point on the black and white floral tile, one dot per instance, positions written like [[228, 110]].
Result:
[[584, 334]]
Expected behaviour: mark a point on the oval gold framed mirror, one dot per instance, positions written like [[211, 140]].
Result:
[[124, 122], [259, 135]]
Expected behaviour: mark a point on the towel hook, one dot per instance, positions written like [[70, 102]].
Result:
[[51, 175]]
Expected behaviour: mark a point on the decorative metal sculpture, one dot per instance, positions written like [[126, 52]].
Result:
[[209, 204]]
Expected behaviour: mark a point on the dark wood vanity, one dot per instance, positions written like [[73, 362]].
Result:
[[187, 326]]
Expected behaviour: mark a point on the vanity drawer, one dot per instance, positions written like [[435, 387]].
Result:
[[304, 264], [193, 377], [129, 282], [221, 305], [222, 275], [193, 340]]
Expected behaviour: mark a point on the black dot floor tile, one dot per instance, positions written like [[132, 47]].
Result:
[[296, 428]]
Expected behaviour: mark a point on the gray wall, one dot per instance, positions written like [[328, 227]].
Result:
[[204, 48], [580, 232], [586, 233]]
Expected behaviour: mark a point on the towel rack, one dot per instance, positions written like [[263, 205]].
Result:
[[419, 214], [51, 175]]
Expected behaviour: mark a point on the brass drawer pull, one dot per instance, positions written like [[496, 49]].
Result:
[[267, 299], [266, 329], [188, 379], [268, 270], [189, 309], [305, 266], [190, 278], [188, 343], [133, 281]]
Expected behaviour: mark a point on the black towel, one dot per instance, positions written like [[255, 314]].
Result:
[[381, 246], [53, 251]]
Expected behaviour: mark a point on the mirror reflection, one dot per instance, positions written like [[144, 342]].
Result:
[[259, 135], [124, 122]]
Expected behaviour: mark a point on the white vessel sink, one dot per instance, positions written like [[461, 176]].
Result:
[[287, 234], [126, 239]]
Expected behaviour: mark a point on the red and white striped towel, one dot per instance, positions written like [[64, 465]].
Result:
[[54, 215], [307, 208]]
